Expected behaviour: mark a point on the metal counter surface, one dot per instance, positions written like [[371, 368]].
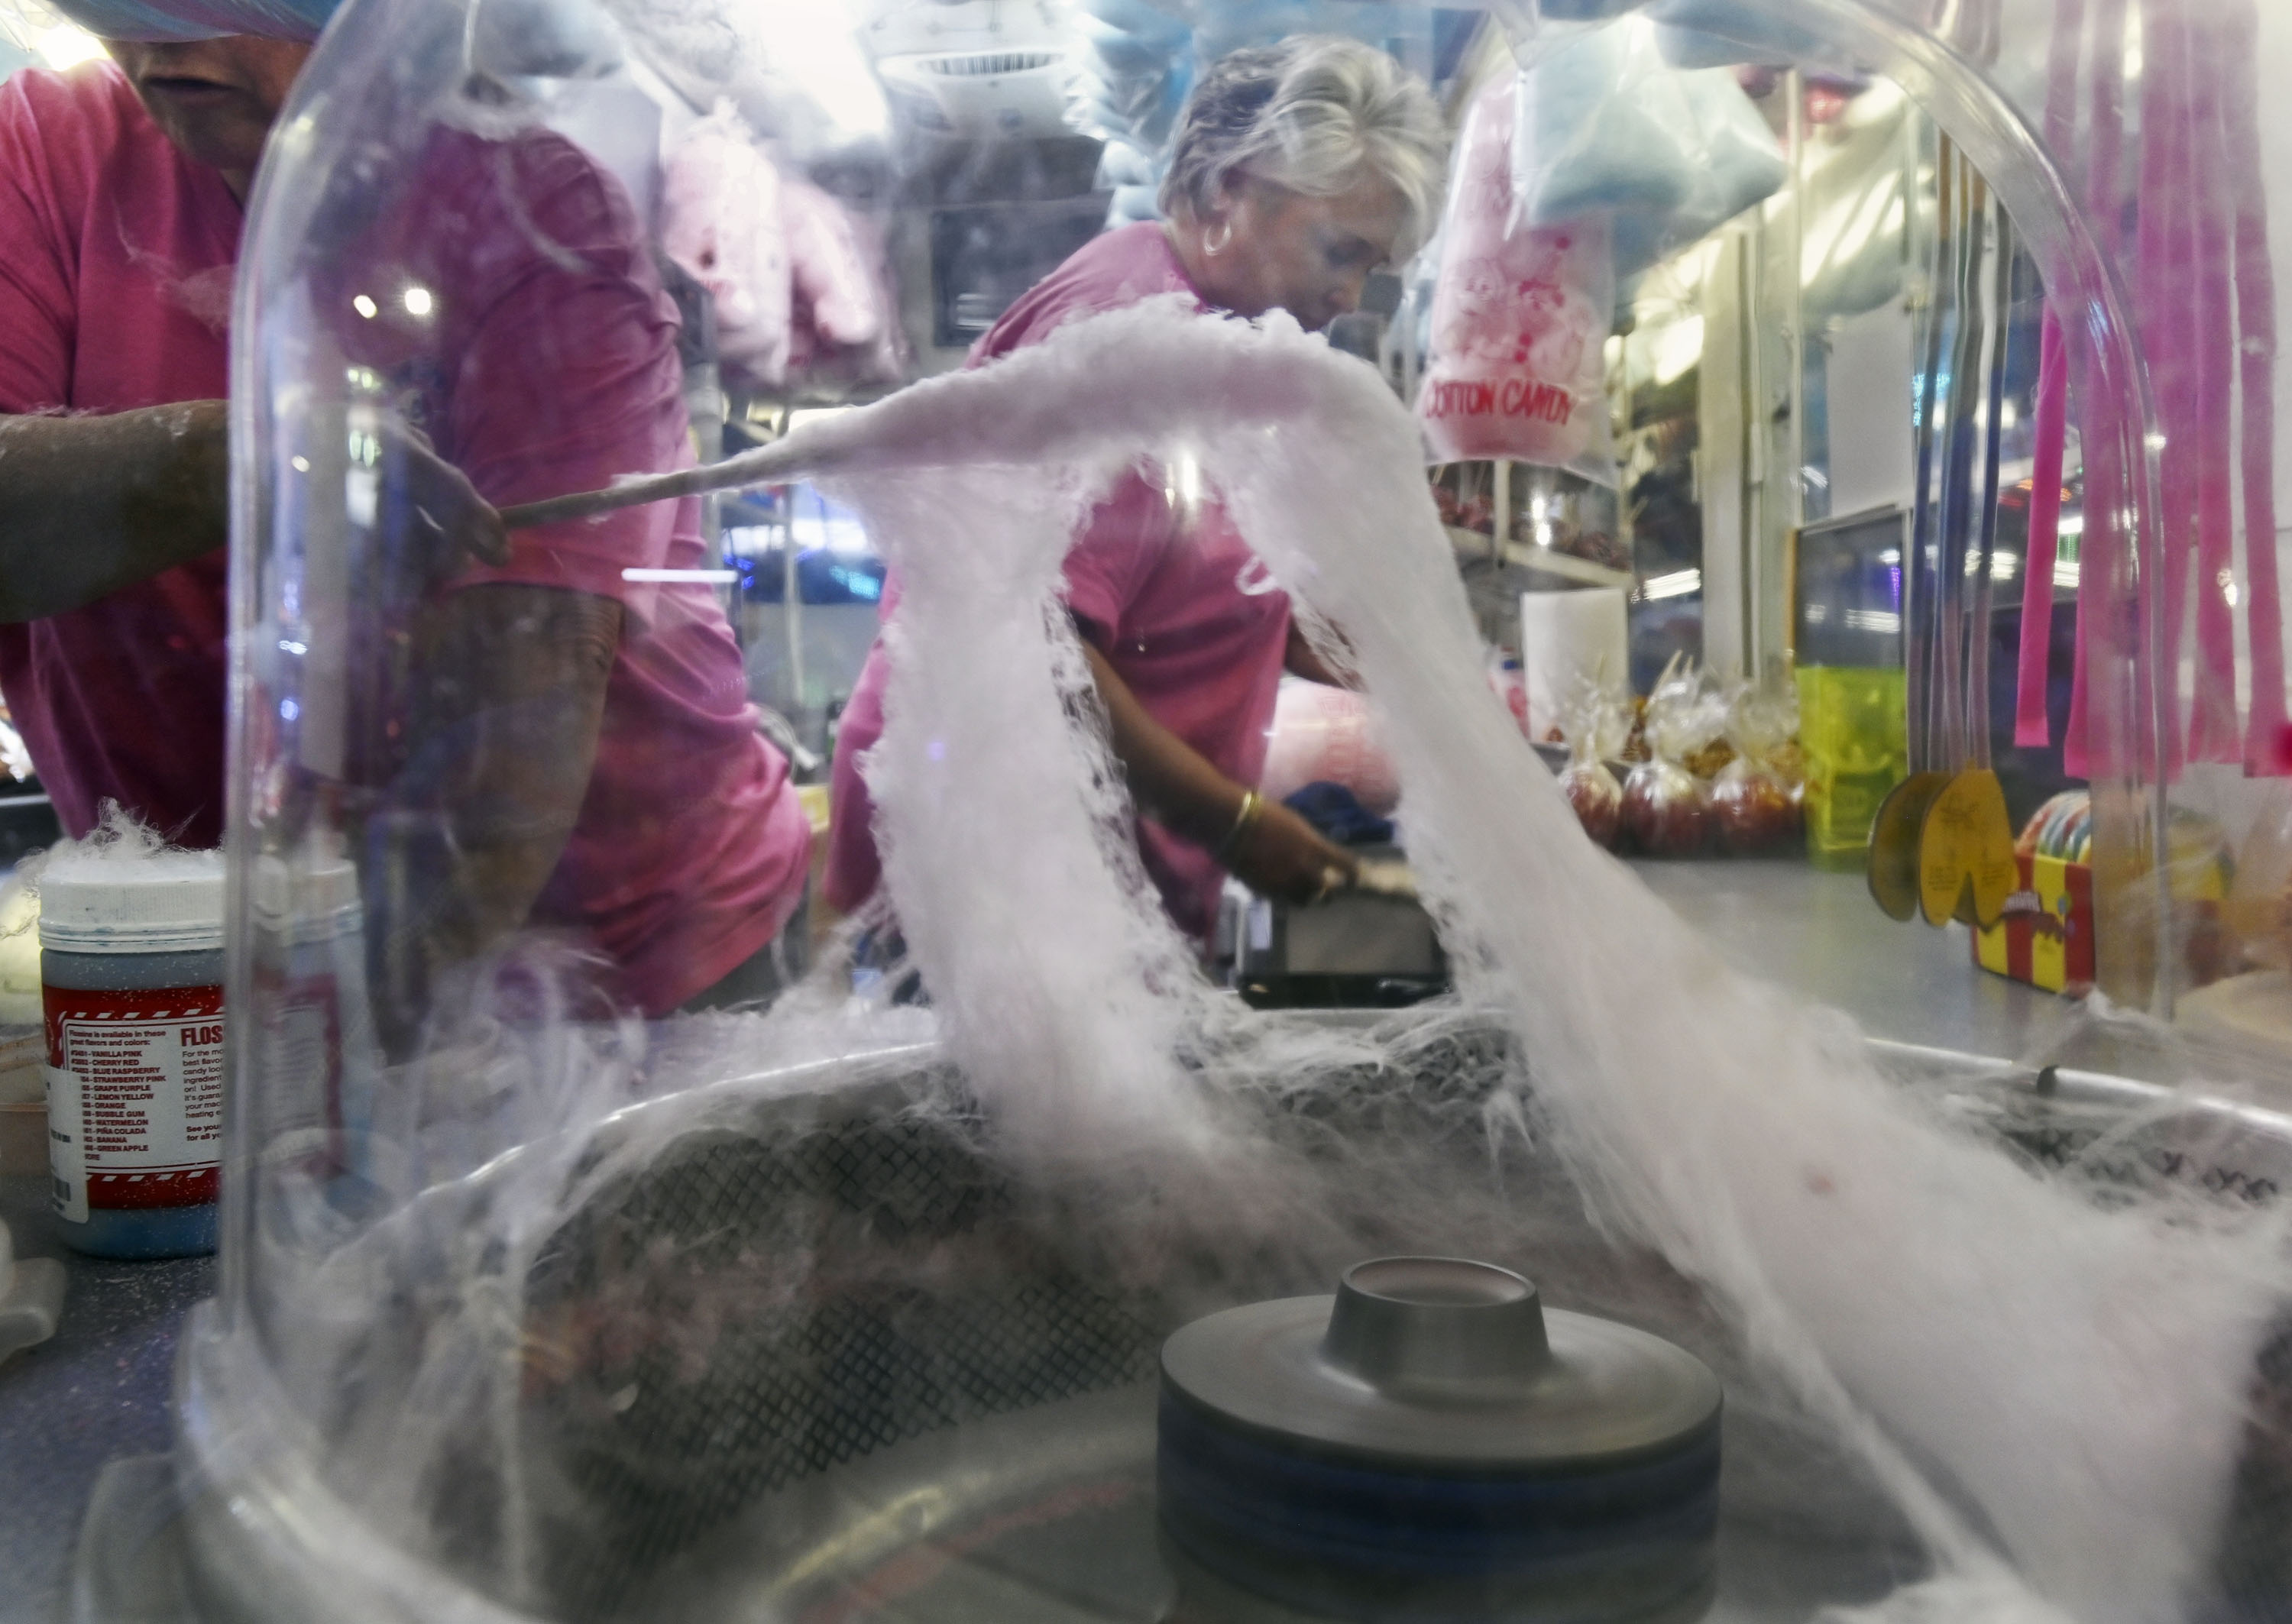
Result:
[[1819, 933], [102, 1387], [98, 1389]]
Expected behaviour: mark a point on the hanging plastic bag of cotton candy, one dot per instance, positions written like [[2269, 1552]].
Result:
[[1612, 123], [1520, 316], [2075, 1377], [720, 222], [1324, 735], [794, 276]]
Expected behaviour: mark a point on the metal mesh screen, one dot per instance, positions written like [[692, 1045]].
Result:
[[758, 1307], [802, 1302]]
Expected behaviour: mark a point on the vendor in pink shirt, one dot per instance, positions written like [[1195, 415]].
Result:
[[1297, 170], [574, 752]]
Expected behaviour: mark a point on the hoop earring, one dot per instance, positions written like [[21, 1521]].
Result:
[[1213, 247]]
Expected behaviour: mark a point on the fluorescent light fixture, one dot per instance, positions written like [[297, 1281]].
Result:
[[1679, 584], [706, 577]]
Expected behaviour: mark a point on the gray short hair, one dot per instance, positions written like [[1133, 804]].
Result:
[[1310, 115]]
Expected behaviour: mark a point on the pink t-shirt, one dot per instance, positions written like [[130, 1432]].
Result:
[[1165, 589], [546, 363]]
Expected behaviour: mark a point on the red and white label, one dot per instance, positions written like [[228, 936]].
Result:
[[134, 1097], [1520, 315]]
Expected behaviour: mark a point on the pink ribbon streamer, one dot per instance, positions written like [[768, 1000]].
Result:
[[2213, 734], [2164, 255], [2051, 428], [2256, 309], [2103, 200], [2206, 299]]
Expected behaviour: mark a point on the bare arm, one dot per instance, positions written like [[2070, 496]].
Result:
[[511, 710], [1279, 855], [520, 695], [92, 504], [1299, 659]]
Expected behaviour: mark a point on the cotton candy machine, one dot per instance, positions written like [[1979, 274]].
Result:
[[549, 1290], [801, 1348]]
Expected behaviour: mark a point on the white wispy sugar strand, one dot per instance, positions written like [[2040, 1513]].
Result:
[[2006, 1356], [2079, 1374]]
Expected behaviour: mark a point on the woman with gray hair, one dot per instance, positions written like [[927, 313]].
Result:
[[1297, 170]]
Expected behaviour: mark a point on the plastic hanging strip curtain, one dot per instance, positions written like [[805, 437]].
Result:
[[2205, 299], [1953, 524], [1923, 580], [1960, 520], [1998, 337], [2107, 474], [2032, 722], [2255, 283], [1961, 395]]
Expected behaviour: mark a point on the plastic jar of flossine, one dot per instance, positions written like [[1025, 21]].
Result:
[[130, 974]]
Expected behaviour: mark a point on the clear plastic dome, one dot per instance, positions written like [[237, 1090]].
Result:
[[551, 1290]]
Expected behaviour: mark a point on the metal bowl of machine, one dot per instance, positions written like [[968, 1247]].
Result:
[[816, 1355]]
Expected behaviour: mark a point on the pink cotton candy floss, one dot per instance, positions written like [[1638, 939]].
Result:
[[2052, 1393], [1980, 1336], [720, 221], [1520, 316]]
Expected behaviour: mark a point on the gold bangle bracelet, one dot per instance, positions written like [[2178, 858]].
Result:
[[1252, 803]]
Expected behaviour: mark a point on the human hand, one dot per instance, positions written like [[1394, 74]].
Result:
[[441, 514], [1280, 855]]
